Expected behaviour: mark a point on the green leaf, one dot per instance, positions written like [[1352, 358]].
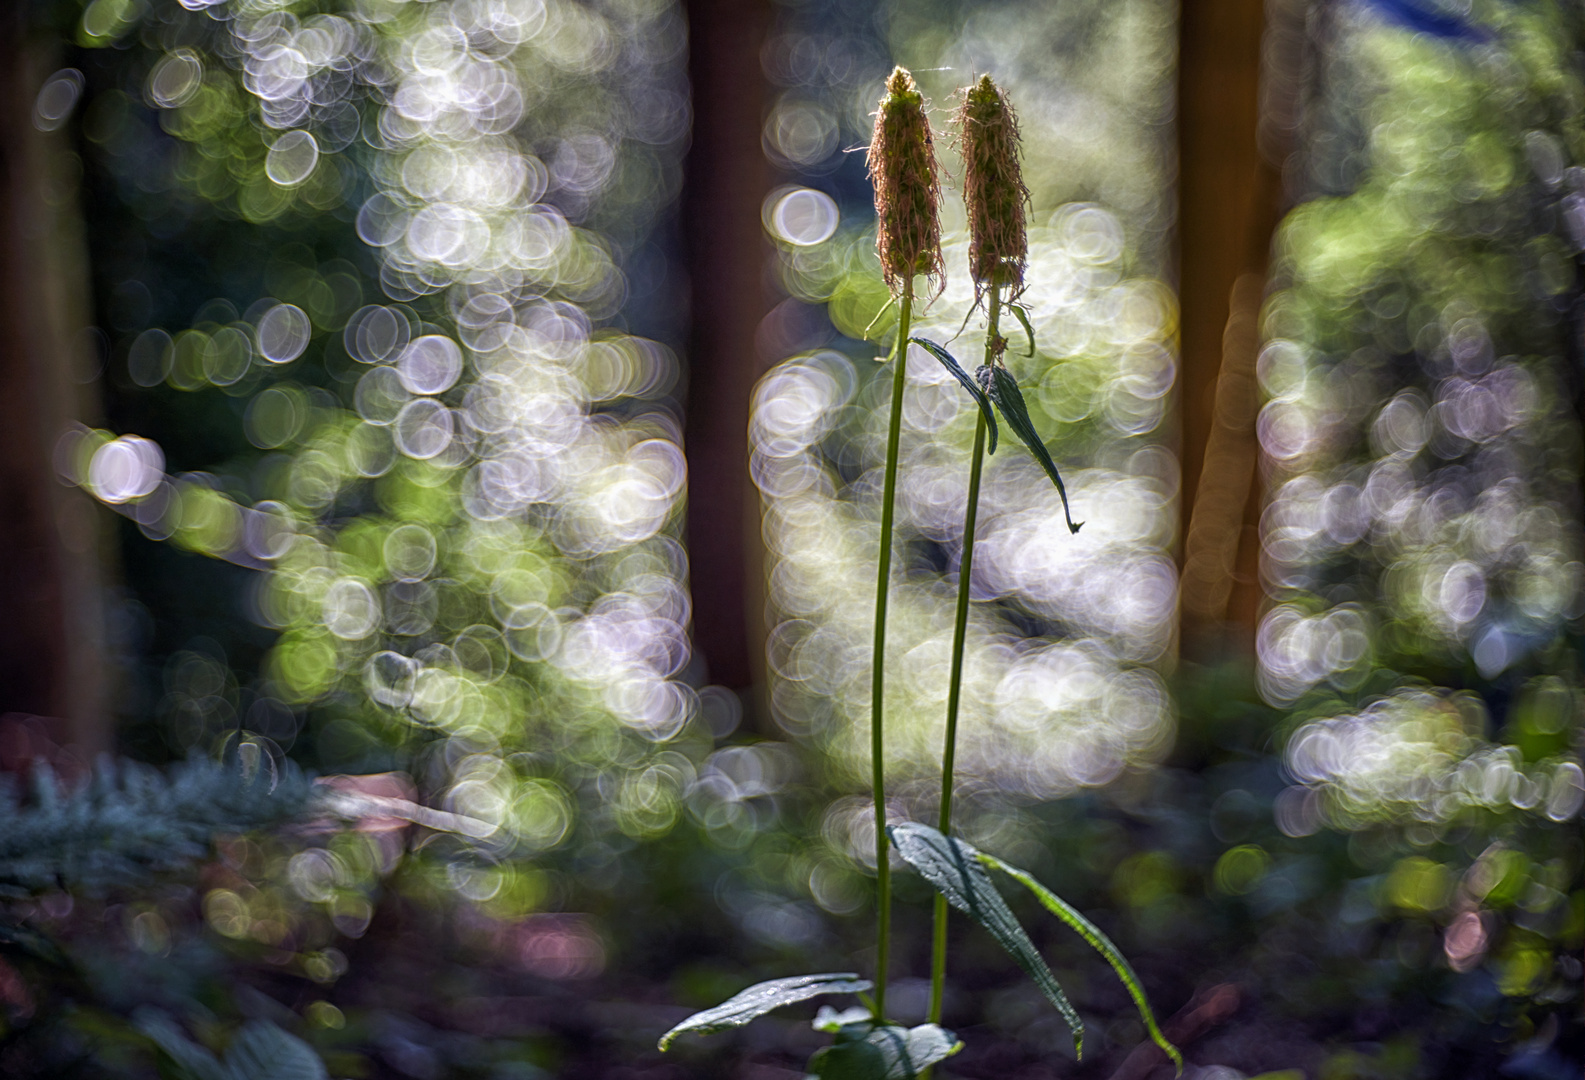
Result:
[[975, 390], [1023, 320], [953, 868], [847, 1059], [869, 1051], [1010, 400], [1097, 940], [761, 998], [262, 1051], [890, 300], [831, 1021]]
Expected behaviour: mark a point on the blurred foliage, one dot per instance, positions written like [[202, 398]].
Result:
[[1065, 654], [1424, 527], [129, 822], [386, 310], [463, 499], [1425, 518]]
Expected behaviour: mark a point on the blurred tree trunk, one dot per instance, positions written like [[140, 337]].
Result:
[[727, 178], [52, 660], [1230, 150]]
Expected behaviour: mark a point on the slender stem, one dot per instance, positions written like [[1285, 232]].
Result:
[[883, 574], [938, 955]]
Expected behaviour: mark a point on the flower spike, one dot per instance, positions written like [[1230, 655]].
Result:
[[902, 164], [993, 190]]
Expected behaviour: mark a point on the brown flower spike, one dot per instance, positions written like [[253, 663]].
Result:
[[902, 164], [993, 189]]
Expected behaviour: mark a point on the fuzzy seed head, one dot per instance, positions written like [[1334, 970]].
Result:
[[993, 188], [902, 164]]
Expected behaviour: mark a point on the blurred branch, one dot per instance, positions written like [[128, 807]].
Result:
[[130, 820], [382, 802]]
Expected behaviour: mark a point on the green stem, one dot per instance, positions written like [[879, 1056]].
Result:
[[883, 574], [960, 626]]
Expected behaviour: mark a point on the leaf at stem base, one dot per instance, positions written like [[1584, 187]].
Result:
[[1097, 941], [870, 1051], [761, 998], [954, 869]]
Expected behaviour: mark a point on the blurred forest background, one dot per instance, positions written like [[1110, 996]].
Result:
[[468, 403]]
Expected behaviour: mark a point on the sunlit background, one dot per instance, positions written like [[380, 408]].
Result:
[[461, 475], [1423, 528], [389, 342], [1063, 672]]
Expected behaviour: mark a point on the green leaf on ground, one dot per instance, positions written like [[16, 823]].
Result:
[[182, 1058], [1010, 400], [761, 998], [869, 1051], [975, 390], [953, 868], [1097, 940], [262, 1051]]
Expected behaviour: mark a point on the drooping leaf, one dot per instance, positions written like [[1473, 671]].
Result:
[[1097, 940], [1023, 320], [869, 1051], [975, 390], [761, 998], [953, 868], [262, 1051], [1010, 400]]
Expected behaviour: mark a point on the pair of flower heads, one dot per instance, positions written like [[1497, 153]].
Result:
[[903, 169], [867, 1044], [902, 165]]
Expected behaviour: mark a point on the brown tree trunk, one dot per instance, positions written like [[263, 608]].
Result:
[[52, 660], [1229, 202], [727, 178]]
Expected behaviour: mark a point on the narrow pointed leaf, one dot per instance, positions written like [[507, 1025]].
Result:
[[866, 1051], [761, 998], [1023, 320], [976, 391], [953, 868], [1097, 940], [890, 300], [1010, 400]]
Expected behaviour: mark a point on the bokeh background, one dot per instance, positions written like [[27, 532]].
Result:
[[475, 404]]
